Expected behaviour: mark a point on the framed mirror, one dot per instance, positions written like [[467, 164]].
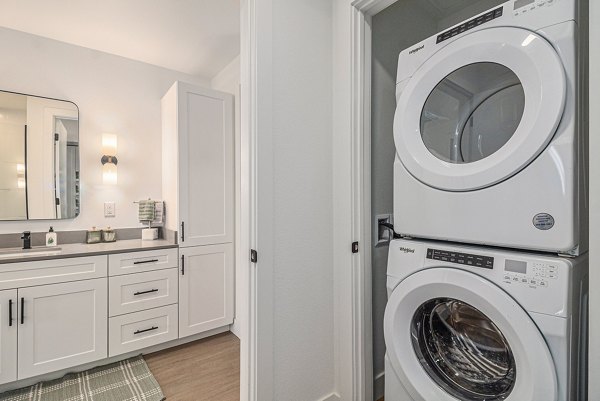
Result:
[[39, 158]]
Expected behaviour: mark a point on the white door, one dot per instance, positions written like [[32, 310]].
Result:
[[480, 109], [61, 326], [205, 288], [206, 166], [8, 336], [452, 335]]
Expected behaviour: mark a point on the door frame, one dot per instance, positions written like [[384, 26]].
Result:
[[256, 351], [360, 338]]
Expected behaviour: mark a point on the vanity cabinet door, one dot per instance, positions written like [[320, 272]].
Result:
[[8, 336], [61, 326], [205, 288], [206, 166]]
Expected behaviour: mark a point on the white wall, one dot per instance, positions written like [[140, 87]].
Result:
[[394, 29], [228, 80], [115, 95], [294, 179]]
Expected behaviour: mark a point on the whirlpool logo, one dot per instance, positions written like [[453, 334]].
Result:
[[413, 51], [406, 250]]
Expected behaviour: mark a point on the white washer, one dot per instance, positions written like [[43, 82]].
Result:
[[477, 324], [488, 132]]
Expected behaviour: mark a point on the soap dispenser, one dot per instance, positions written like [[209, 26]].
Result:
[[51, 237]]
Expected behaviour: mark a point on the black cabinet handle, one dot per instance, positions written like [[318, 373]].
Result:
[[22, 310], [10, 313], [145, 292], [139, 262], [145, 330], [182, 231], [182, 265]]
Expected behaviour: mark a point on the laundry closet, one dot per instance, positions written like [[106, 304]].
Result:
[[397, 28]]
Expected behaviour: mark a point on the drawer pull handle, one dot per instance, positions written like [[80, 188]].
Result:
[[145, 330], [10, 312], [145, 292], [139, 262]]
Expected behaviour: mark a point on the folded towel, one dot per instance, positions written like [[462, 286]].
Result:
[[146, 210], [159, 214]]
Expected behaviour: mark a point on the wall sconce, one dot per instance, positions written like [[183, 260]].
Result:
[[109, 160]]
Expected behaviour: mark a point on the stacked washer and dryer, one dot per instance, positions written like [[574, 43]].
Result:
[[488, 286]]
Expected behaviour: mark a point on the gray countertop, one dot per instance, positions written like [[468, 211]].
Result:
[[80, 250]]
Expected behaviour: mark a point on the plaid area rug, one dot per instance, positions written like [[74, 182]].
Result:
[[128, 380]]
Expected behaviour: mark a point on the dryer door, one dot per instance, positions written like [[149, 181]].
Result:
[[452, 335], [480, 109]]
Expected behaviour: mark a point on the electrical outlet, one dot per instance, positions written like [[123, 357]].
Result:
[[109, 209], [382, 234]]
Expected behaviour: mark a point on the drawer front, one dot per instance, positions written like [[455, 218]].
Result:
[[139, 330], [139, 262], [52, 271], [136, 292]]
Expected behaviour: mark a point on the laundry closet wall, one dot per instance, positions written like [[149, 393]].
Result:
[[394, 29]]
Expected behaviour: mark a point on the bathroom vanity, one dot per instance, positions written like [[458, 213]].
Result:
[[82, 304]]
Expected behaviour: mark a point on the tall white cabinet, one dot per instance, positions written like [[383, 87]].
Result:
[[198, 188]]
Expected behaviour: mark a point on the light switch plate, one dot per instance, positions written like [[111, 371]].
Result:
[[109, 209]]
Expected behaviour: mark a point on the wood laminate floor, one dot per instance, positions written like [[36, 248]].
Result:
[[204, 370]]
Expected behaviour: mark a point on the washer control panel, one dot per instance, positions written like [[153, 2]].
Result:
[[533, 275], [486, 262]]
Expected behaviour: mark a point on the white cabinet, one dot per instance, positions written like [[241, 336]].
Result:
[[140, 291], [205, 288], [198, 164], [139, 330], [61, 325], [8, 336]]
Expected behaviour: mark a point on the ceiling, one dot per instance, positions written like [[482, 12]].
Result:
[[198, 37]]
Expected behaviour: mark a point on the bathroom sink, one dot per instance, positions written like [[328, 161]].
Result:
[[6, 253]]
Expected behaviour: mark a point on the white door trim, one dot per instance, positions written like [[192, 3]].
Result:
[[360, 289], [256, 347]]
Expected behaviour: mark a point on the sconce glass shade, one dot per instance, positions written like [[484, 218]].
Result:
[[109, 160], [109, 174], [109, 144]]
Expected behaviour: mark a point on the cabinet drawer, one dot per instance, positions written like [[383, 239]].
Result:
[[43, 272], [139, 330], [136, 292], [138, 262]]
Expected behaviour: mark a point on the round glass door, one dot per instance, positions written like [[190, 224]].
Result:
[[480, 109], [463, 351], [472, 112]]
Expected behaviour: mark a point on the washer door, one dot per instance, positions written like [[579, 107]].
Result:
[[452, 335], [480, 109]]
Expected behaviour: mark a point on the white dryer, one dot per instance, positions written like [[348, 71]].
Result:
[[474, 324], [488, 132]]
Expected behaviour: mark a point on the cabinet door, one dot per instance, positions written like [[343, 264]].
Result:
[[206, 178], [8, 336], [63, 325], [205, 288]]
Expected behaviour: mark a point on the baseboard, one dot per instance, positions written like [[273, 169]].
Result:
[[155, 348], [331, 397], [379, 386]]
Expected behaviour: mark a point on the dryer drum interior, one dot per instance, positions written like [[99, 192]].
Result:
[[472, 112], [463, 351]]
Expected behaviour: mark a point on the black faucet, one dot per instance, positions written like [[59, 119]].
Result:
[[26, 237]]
